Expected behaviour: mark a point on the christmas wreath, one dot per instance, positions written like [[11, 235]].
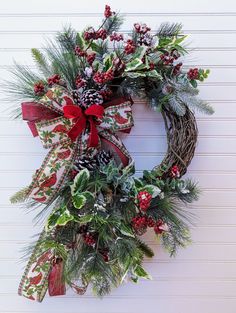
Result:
[[96, 209]]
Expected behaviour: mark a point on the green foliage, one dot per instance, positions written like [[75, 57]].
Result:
[[169, 30], [41, 62], [20, 196]]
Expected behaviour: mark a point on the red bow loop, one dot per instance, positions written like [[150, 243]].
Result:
[[75, 112]]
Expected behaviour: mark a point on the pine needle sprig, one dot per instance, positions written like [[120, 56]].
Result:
[[169, 30], [41, 62], [67, 39], [113, 23]]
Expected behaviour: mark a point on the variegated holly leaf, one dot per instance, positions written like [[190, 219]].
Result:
[[79, 200], [80, 182], [153, 190]]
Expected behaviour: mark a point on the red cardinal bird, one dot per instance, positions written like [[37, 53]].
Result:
[[42, 199], [49, 181], [36, 279], [119, 119], [64, 154], [60, 129], [42, 259]]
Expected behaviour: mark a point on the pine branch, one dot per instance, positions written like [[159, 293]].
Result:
[[20, 196], [169, 30], [67, 39], [176, 105], [147, 251], [41, 62], [113, 23]]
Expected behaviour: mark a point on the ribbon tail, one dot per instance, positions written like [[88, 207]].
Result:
[[93, 136], [56, 283], [34, 282], [47, 182]]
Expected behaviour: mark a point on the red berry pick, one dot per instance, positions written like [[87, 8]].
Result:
[[144, 199]]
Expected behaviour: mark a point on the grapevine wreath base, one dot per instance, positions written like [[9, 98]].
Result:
[[96, 209]]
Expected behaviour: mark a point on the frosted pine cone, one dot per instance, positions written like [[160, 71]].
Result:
[[89, 97], [86, 162], [76, 96], [103, 157]]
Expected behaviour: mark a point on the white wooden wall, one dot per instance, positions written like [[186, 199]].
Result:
[[203, 277]]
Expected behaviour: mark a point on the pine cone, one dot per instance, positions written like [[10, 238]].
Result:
[[90, 97], [76, 96], [103, 157], [86, 162]]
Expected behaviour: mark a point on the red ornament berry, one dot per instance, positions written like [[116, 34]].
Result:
[[102, 33], [177, 68], [139, 224], [54, 79], [39, 88], [144, 199], [80, 52], [160, 227], [175, 172], [193, 73], [150, 222], [106, 94], [151, 65], [90, 58], [116, 37], [89, 239], [108, 75], [105, 254], [80, 82], [129, 47], [89, 34], [141, 28], [107, 12]]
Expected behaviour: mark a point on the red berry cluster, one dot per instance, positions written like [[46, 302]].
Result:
[[193, 73], [106, 94], [80, 82], [103, 77], [116, 37], [102, 33], [177, 68], [89, 239], [160, 227], [141, 28], [129, 46], [168, 58], [141, 222], [151, 66], [39, 88], [54, 79], [80, 52], [91, 57], [144, 199], [105, 254], [174, 171], [89, 34], [92, 34], [108, 13]]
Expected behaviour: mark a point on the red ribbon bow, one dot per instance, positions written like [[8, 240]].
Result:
[[81, 117]]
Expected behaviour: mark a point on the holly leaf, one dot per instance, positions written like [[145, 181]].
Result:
[[133, 65], [79, 201], [64, 218], [140, 272], [80, 182], [79, 40], [153, 190]]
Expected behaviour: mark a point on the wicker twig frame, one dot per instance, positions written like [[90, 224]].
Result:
[[182, 133]]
